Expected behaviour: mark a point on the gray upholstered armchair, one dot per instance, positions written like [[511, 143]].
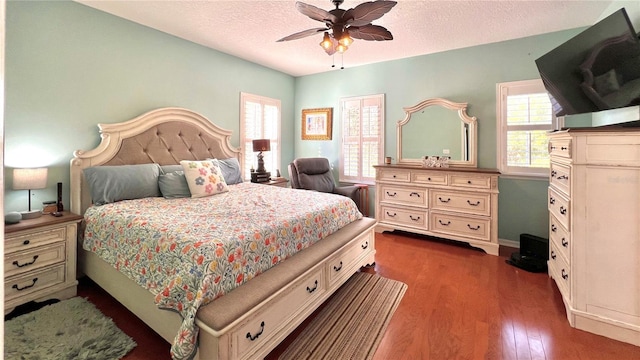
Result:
[[315, 174]]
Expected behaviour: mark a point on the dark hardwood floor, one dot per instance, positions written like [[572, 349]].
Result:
[[460, 304]]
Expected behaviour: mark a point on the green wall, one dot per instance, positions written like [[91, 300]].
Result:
[[465, 75], [70, 67]]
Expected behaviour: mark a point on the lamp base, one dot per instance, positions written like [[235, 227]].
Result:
[[31, 214]]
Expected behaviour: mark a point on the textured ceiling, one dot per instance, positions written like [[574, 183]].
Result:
[[249, 29]]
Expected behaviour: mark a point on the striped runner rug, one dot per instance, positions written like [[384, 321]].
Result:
[[352, 323]]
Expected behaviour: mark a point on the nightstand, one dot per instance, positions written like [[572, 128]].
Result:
[[40, 259], [282, 182]]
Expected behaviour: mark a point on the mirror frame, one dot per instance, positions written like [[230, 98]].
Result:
[[461, 108]]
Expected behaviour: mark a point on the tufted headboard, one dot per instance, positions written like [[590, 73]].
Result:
[[163, 136]]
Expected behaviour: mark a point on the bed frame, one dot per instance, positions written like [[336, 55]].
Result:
[[251, 320]]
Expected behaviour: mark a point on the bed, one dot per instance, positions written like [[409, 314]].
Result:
[[225, 305]]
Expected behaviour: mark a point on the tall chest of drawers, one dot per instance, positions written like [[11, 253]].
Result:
[[594, 212], [457, 204], [40, 259]]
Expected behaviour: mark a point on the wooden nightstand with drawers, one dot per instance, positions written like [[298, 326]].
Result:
[[40, 259]]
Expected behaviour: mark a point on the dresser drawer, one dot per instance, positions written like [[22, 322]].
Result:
[[35, 258], [337, 267], [560, 147], [425, 177], [394, 175], [459, 225], [559, 207], [22, 285], [404, 196], [261, 326], [29, 240], [470, 181], [468, 203], [560, 236], [559, 176], [400, 216], [560, 271]]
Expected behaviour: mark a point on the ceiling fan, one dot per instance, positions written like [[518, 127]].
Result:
[[342, 26]]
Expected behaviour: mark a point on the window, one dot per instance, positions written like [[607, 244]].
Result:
[[259, 119], [524, 118], [362, 137]]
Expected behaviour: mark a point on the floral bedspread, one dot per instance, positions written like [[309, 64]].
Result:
[[189, 252]]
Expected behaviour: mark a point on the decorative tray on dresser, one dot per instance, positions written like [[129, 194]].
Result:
[[594, 231], [452, 203], [40, 259]]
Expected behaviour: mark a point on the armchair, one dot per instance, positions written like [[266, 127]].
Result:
[[315, 174]]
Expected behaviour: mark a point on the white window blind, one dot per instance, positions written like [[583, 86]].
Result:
[[259, 119], [525, 117], [362, 121]]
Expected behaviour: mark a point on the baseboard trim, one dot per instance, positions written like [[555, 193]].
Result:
[[509, 243]]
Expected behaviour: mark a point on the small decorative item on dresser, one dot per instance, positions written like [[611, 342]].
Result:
[[436, 161], [49, 206], [387, 160]]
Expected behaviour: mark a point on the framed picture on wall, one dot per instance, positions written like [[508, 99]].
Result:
[[316, 124]]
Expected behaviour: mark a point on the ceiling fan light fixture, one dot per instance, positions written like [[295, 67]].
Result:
[[326, 42], [341, 48], [345, 40]]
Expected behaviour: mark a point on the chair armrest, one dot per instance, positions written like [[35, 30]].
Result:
[[348, 191]]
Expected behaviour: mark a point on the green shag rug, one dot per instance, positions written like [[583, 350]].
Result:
[[69, 329]]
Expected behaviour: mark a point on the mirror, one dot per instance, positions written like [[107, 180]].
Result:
[[437, 127]]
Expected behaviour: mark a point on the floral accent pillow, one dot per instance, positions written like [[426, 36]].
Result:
[[204, 178]]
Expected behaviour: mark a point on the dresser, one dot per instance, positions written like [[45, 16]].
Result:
[[594, 231], [451, 203], [40, 259]]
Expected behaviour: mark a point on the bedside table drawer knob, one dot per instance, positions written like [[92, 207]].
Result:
[[35, 257], [26, 242], [15, 286]]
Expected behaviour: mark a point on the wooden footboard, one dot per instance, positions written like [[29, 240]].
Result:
[[253, 319]]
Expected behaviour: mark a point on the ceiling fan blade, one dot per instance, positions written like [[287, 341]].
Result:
[[301, 34], [316, 13], [370, 32], [367, 12]]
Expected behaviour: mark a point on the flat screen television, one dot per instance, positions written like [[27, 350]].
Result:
[[598, 69]]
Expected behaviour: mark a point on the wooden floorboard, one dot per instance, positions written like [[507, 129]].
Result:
[[460, 304]]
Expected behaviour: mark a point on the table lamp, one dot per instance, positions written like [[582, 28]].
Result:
[[30, 179], [261, 145]]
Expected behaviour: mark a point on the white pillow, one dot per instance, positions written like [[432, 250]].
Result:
[[204, 178]]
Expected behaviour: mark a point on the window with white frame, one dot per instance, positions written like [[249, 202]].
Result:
[[259, 119], [525, 117], [362, 137]]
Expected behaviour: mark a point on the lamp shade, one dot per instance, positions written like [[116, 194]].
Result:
[[29, 179], [261, 145]]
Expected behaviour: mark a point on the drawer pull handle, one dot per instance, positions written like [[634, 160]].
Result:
[[15, 286], [389, 215], [553, 173], [444, 201], [552, 201], [414, 194], [476, 204], [564, 148], [468, 181], [473, 228], [310, 290], [429, 178], [251, 337], [565, 275], [554, 227], [553, 147], [563, 177], [553, 254], [564, 242], [337, 268], [389, 194], [394, 176], [563, 210], [26, 242], [414, 219], [443, 224], [35, 257], [365, 245]]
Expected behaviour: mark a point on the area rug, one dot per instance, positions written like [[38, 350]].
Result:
[[69, 329], [352, 323]]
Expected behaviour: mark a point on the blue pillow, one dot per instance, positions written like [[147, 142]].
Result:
[[109, 184], [166, 169], [230, 170], [174, 185]]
